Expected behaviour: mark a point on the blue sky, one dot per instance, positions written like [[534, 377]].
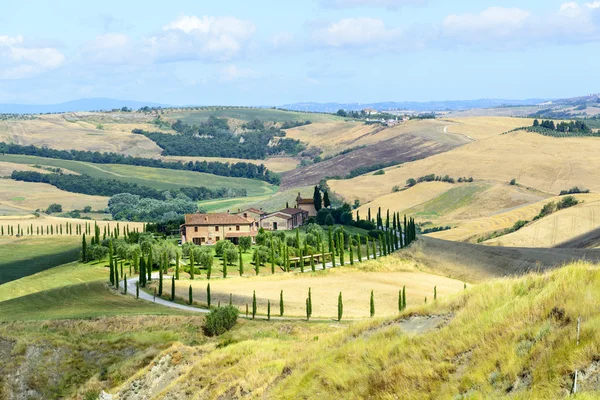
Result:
[[265, 52]]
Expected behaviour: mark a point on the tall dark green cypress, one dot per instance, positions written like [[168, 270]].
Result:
[[241, 261], [435, 293], [359, 248], [83, 249], [160, 281], [268, 310], [190, 296], [341, 247], [404, 297], [149, 266], [309, 303], [256, 261], [173, 288], [176, 263], [400, 300], [208, 295], [125, 284], [272, 255], [374, 248], [340, 307], [137, 289], [317, 199], [372, 305], [116, 276], [253, 304], [281, 306]]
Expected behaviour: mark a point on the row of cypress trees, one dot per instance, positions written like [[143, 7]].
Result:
[[65, 229]]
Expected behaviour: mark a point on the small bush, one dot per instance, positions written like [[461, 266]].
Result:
[[395, 189], [566, 202], [513, 182], [380, 172], [54, 208], [220, 320]]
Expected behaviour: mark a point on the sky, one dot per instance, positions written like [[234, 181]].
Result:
[[264, 52]]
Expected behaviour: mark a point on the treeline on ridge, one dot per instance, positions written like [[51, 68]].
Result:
[[213, 138], [236, 170], [89, 185]]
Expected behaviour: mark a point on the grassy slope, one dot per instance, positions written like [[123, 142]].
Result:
[[62, 275], [507, 337], [86, 300], [26, 256], [158, 178]]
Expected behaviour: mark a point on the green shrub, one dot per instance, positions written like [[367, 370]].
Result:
[[220, 320]]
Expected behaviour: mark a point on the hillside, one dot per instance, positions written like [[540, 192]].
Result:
[[514, 336], [543, 163]]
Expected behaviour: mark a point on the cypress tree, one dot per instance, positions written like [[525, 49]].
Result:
[[190, 296], [256, 261], [121, 268], [367, 247], [374, 249], [298, 244], [176, 265], [382, 244], [51, 230], [253, 304], [192, 265], [137, 289], [230, 299], [246, 310], [387, 220], [435, 293], [400, 300], [268, 310], [369, 214], [326, 202], [342, 247], [281, 307], [301, 261], [116, 277], [209, 271], [351, 253], [173, 288], [317, 199], [160, 282], [358, 248], [149, 266], [309, 310], [372, 305], [208, 295], [224, 265], [425, 299], [404, 297], [312, 262], [330, 241], [125, 284], [142, 276], [110, 264], [272, 255], [241, 269], [83, 249], [340, 307]]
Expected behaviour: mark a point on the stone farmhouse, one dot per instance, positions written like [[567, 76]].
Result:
[[208, 229], [306, 205], [283, 220]]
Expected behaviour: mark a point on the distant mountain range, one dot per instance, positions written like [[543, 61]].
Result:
[[450, 105], [92, 104]]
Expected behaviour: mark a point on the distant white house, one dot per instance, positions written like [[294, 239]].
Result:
[[370, 111]]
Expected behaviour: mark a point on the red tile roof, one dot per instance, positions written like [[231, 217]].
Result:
[[306, 201], [215, 219]]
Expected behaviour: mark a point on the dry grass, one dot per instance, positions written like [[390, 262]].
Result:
[[405, 199], [55, 131], [544, 163], [6, 168], [557, 227], [385, 277], [480, 128], [30, 196], [471, 229]]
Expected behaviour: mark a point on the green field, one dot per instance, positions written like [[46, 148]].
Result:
[[449, 201], [250, 114], [28, 255], [157, 178], [62, 275], [86, 300]]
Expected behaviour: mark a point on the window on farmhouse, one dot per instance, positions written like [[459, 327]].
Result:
[[237, 228], [217, 228]]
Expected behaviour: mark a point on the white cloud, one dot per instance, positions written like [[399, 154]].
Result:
[[233, 73], [572, 22], [370, 3], [19, 60], [356, 32], [112, 48]]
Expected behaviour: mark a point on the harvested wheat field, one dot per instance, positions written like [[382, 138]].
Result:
[[405, 199], [28, 221], [484, 127], [6, 168], [544, 163], [31, 196], [556, 228], [479, 227], [60, 132], [385, 277]]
